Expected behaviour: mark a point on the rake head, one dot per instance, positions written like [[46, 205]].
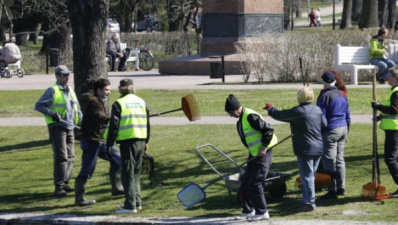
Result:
[[190, 107]]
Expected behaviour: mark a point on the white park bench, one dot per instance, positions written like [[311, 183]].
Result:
[[134, 58], [351, 59]]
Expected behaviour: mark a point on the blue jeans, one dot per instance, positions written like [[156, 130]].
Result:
[[308, 165], [91, 151], [252, 189], [383, 66]]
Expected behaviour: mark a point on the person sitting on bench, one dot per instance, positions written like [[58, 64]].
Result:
[[114, 51]]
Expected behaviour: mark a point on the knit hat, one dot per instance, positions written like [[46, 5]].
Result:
[[231, 103], [328, 77], [126, 82]]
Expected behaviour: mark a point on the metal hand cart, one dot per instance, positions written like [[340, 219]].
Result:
[[275, 183]]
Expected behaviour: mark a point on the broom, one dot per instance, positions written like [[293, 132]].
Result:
[[188, 106], [374, 190]]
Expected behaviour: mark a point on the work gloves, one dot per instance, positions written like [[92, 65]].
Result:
[[268, 106], [375, 105], [56, 117]]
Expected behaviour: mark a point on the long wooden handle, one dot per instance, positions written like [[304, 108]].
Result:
[[375, 166]]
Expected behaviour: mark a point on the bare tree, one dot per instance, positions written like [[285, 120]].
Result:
[[369, 17], [88, 19], [346, 18], [383, 12], [391, 13], [356, 9]]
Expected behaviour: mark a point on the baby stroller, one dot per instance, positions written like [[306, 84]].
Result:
[[10, 61]]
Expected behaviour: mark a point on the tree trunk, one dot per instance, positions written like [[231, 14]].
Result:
[[383, 12], [391, 13], [21, 39], [346, 18], [369, 17], [298, 8], [356, 10], [88, 19]]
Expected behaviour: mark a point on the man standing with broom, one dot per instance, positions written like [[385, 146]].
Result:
[[257, 136], [389, 123], [129, 126]]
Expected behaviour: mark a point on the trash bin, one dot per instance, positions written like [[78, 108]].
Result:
[[215, 70], [54, 56]]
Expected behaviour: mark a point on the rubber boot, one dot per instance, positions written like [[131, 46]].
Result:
[[80, 191], [116, 182]]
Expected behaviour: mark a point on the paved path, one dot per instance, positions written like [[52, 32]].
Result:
[[326, 11], [153, 80], [35, 218]]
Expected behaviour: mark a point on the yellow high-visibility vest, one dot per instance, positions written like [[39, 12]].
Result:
[[133, 121], [389, 122], [59, 104], [252, 136]]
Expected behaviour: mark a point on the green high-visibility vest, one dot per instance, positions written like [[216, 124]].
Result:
[[133, 120], [59, 104], [389, 122], [252, 136]]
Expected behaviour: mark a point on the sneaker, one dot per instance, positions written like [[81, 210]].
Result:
[[68, 189], [305, 208], [139, 208], [85, 203], [124, 211], [59, 192], [329, 195], [340, 191], [394, 194], [256, 217], [244, 216]]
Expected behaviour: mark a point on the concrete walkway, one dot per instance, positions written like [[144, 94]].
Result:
[[36, 218]]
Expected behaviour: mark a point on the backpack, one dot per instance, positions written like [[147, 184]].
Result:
[[11, 53]]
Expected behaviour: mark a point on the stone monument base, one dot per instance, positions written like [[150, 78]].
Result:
[[200, 64]]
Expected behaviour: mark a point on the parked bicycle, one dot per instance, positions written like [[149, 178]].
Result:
[[146, 60]]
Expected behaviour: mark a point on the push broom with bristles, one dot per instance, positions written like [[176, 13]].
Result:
[[188, 106], [374, 190]]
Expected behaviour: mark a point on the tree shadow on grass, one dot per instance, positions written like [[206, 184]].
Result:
[[31, 145], [24, 202]]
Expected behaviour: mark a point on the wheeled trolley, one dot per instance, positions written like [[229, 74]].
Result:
[[275, 183]]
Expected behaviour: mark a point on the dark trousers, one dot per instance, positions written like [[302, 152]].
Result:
[[62, 141], [91, 151], [252, 189], [122, 63], [131, 152], [391, 153]]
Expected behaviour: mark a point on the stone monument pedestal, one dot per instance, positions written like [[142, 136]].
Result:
[[227, 23]]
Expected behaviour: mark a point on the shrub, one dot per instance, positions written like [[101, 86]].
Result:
[[275, 57]]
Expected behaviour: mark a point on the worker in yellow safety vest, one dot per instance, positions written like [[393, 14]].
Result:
[[257, 135], [129, 126], [62, 113], [389, 123]]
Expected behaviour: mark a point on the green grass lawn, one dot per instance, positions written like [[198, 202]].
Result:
[[26, 176], [211, 102]]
